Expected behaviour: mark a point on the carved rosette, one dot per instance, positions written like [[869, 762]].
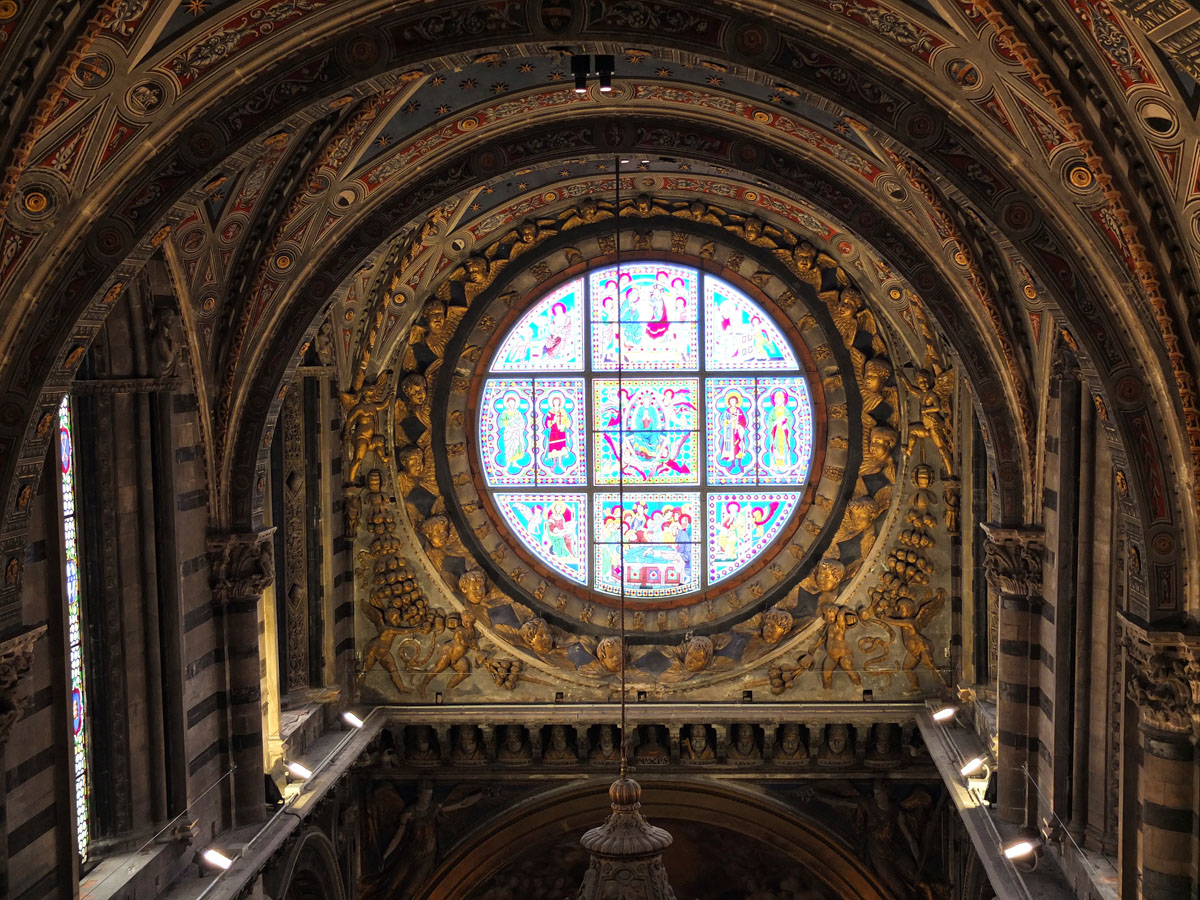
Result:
[[242, 565], [16, 659], [1012, 560]]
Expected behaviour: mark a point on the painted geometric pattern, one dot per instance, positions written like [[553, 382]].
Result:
[[655, 452]]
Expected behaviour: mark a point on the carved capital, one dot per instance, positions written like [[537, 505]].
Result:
[[1162, 676], [242, 565], [1012, 560], [16, 658]]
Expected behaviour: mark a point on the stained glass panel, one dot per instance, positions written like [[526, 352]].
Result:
[[785, 420], [560, 431], [649, 537], [506, 436], [649, 321], [74, 624], [553, 526], [749, 427], [732, 430], [741, 524], [739, 334], [547, 338]]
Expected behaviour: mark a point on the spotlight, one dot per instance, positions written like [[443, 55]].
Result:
[[299, 771], [604, 68], [973, 766], [581, 67], [352, 720], [1019, 849], [216, 859], [945, 713]]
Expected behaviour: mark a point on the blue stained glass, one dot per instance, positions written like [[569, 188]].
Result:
[[786, 430], [506, 431], [739, 334], [553, 526], [656, 308], [741, 525], [651, 539], [560, 436], [732, 430], [695, 456], [547, 338]]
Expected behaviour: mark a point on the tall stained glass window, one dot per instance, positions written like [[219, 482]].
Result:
[[74, 598], [650, 431]]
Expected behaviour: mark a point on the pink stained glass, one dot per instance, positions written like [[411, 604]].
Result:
[[553, 526], [548, 338], [785, 423], [647, 321], [506, 433], [741, 525], [559, 439], [739, 334]]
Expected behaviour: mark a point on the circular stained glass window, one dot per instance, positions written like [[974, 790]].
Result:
[[647, 431]]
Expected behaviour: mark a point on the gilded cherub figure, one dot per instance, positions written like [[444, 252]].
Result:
[[455, 655], [932, 388], [363, 430], [911, 619], [837, 620]]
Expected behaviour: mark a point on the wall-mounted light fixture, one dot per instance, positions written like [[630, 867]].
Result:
[[581, 68]]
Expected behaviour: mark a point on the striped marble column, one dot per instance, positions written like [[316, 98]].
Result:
[[1160, 681], [1012, 562], [242, 566]]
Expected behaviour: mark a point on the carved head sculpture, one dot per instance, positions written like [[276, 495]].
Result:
[[804, 256], [697, 653], [829, 574], [754, 227], [883, 797], [837, 739], [698, 735], [415, 389], [588, 209], [477, 269], [436, 530], [882, 733], [473, 584], [924, 379], [776, 624], [424, 793], [882, 442], [610, 652], [642, 204], [558, 737], [829, 612], [527, 232], [514, 738], [743, 738], [468, 740], [375, 393], [789, 741], [435, 316], [536, 633], [604, 737], [374, 481], [876, 373]]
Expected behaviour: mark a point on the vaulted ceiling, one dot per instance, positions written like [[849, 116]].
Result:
[[1026, 173]]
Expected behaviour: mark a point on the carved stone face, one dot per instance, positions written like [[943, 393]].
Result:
[[697, 654], [536, 633], [467, 741], [436, 530], [609, 651], [776, 625], [473, 584], [528, 231], [924, 379], [923, 476], [829, 613], [875, 375], [883, 738], [476, 269], [558, 737], [744, 738], [435, 317], [838, 737], [606, 737], [421, 738], [789, 742], [699, 737], [414, 389], [829, 575], [513, 738], [883, 441]]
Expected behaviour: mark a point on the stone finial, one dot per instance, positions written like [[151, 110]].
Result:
[[242, 565], [1012, 560], [626, 851], [16, 659]]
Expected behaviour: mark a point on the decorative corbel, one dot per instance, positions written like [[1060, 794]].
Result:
[[242, 565], [1012, 560], [16, 659]]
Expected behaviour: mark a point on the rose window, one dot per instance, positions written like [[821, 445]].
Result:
[[651, 433]]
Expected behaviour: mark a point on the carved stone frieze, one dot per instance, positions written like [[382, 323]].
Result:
[[16, 659], [1012, 560]]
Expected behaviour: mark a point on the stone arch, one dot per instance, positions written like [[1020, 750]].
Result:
[[309, 871], [750, 811]]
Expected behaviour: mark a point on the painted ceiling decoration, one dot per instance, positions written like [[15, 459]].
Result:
[[935, 153]]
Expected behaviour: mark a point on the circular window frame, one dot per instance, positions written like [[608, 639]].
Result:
[[775, 572]]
